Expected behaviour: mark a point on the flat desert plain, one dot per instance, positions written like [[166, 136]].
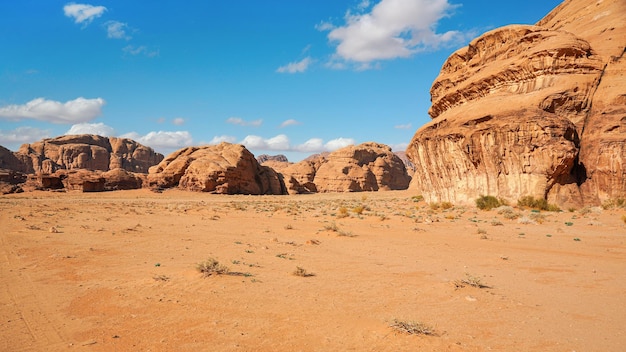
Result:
[[117, 271]]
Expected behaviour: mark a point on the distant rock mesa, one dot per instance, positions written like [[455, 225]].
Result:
[[531, 110]]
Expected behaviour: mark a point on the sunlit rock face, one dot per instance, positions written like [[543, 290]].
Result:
[[224, 168], [531, 110]]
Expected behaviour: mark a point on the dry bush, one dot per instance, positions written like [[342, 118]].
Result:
[[411, 327], [212, 266], [358, 209], [343, 212], [470, 280], [487, 202], [302, 272]]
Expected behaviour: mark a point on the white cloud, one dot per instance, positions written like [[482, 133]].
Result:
[[223, 138], [280, 142], [324, 26], [313, 145], [162, 140], [22, 135], [400, 147], [403, 127], [178, 121], [241, 122], [99, 129], [83, 13], [140, 50], [296, 67], [117, 30], [290, 122], [393, 29], [73, 111], [335, 144]]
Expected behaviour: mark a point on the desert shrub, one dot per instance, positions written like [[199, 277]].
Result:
[[343, 212], [417, 198], [624, 218], [358, 209], [302, 272], [507, 212], [212, 266], [411, 327], [536, 203], [434, 206], [446, 205], [470, 280], [487, 202], [614, 203]]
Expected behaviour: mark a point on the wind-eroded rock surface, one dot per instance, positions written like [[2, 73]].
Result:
[[531, 110], [364, 167], [225, 168], [86, 151]]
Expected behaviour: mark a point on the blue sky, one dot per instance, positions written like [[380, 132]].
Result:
[[292, 77]]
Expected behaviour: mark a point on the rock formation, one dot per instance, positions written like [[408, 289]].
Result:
[[225, 168], [89, 152], [531, 110], [264, 157], [365, 167]]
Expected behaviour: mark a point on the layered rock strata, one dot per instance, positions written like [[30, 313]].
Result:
[[531, 110]]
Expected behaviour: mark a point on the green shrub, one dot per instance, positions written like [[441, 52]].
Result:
[[487, 202], [536, 203]]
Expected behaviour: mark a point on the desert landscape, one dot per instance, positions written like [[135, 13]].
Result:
[[501, 227], [117, 271]]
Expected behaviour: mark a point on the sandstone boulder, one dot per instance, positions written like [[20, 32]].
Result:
[[530, 110], [365, 167], [225, 168], [299, 178]]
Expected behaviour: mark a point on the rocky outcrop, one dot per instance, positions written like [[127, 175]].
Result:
[[530, 110], [89, 152], [225, 168], [299, 178], [365, 167], [264, 157]]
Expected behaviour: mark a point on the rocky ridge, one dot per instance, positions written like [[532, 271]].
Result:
[[534, 110]]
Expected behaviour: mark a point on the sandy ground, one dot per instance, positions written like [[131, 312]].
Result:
[[116, 271]]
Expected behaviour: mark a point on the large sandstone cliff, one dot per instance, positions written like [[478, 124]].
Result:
[[531, 110]]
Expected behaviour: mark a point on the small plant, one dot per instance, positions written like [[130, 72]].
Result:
[[212, 267], [331, 227], [487, 202], [343, 212], [161, 278], [358, 209], [496, 222], [624, 218], [302, 272], [537, 203], [446, 205], [417, 198], [569, 223], [482, 231], [288, 227], [434, 206], [576, 239], [470, 280], [411, 327]]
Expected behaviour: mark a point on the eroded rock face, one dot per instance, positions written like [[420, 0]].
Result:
[[225, 168], [530, 110], [86, 152], [365, 167]]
